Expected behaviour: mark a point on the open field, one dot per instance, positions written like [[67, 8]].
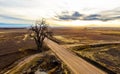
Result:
[[11, 43], [104, 50], [18, 55], [86, 36], [39, 64], [99, 45]]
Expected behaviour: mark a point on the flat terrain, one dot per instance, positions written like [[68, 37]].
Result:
[[86, 35], [76, 64], [22, 64], [11, 43], [39, 64], [96, 44], [18, 55], [107, 56]]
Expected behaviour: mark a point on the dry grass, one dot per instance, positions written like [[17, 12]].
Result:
[[81, 36], [12, 46], [106, 55], [66, 40], [39, 62], [24, 65], [10, 43]]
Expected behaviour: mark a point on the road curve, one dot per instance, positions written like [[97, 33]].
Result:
[[19, 67], [75, 63]]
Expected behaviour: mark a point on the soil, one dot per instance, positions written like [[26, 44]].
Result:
[[48, 64]]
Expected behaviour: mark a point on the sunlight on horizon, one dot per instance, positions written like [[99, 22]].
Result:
[[100, 13]]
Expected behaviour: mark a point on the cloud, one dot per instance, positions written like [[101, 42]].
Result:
[[7, 16], [108, 15], [25, 11], [70, 16], [92, 17], [113, 14], [76, 14], [99, 17], [14, 19], [13, 25], [11, 17], [15, 3]]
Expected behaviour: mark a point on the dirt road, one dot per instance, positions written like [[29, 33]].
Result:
[[75, 63], [23, 64]]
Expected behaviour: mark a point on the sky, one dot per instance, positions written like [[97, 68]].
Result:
[[90, 13]]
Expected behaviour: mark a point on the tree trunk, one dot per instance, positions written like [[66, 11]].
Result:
[[38, 46]]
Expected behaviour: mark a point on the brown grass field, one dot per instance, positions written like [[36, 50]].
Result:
[[79, 39], [15, 47], [13, 41]]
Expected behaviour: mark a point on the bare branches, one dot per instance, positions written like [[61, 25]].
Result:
[[39, 31]]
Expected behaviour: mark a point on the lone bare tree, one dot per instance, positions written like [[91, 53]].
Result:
[[39, 31]]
